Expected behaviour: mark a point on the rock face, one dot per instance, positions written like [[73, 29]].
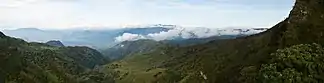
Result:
[[55, 43]]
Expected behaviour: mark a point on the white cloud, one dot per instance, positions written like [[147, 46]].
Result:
[[129, 37], [164, 35], [187, 33]]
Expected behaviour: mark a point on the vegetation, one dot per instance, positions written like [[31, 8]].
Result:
[[236, 60], [297, 64], [139, 68], [250, 59], [22, 62], [126, 48]]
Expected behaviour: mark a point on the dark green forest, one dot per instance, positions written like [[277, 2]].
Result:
[[23, 62], [290, 52]]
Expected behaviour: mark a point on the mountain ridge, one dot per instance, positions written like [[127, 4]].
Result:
[[255, 49], [224, 60], [25, 62]]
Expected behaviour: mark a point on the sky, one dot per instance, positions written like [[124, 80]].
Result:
[[65, 14]]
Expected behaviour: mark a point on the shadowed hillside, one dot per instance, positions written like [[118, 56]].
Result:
[[2, 35], [22, 62], [222, 61]]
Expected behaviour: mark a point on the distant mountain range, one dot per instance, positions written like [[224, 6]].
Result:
[[110, 37], [91, 38]]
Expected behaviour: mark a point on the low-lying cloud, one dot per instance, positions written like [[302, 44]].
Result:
[[129, 36], [186, 33]]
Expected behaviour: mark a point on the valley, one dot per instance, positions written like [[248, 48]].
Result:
[[289, 52]]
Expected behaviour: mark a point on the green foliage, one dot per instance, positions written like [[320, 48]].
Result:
[[297, 64], [22, 62], [244, 59], [97, 76], [126, 48]]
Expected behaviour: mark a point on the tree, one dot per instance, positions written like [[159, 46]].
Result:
[[302, 63]]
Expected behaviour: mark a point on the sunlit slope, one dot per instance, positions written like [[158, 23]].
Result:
[[223, 60]]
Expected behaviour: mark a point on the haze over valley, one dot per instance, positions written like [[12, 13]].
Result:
[[105, 38], [158, 41]]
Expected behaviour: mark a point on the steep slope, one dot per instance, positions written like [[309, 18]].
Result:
[[301, 63], [141, 67], [223, 60], [85, 56], [2, 35], [22, 62]]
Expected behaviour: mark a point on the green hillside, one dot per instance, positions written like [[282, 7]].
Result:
[[125, 48], [226, 60], [222, 61], [290, 52], [22, 62]]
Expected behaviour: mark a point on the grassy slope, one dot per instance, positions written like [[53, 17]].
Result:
[[222, 60]]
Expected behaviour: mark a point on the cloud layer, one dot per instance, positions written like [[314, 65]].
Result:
[[186, 33], [129, 36]]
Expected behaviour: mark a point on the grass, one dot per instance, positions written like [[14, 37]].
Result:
[[140, 68]]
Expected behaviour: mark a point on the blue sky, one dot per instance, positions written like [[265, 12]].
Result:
[[62, 14]]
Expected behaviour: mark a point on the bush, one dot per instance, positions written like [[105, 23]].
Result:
[[297, 64]]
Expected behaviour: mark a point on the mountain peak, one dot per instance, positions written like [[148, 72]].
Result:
[[305, 23], [2, 35], [305, 10], [55, 43]]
